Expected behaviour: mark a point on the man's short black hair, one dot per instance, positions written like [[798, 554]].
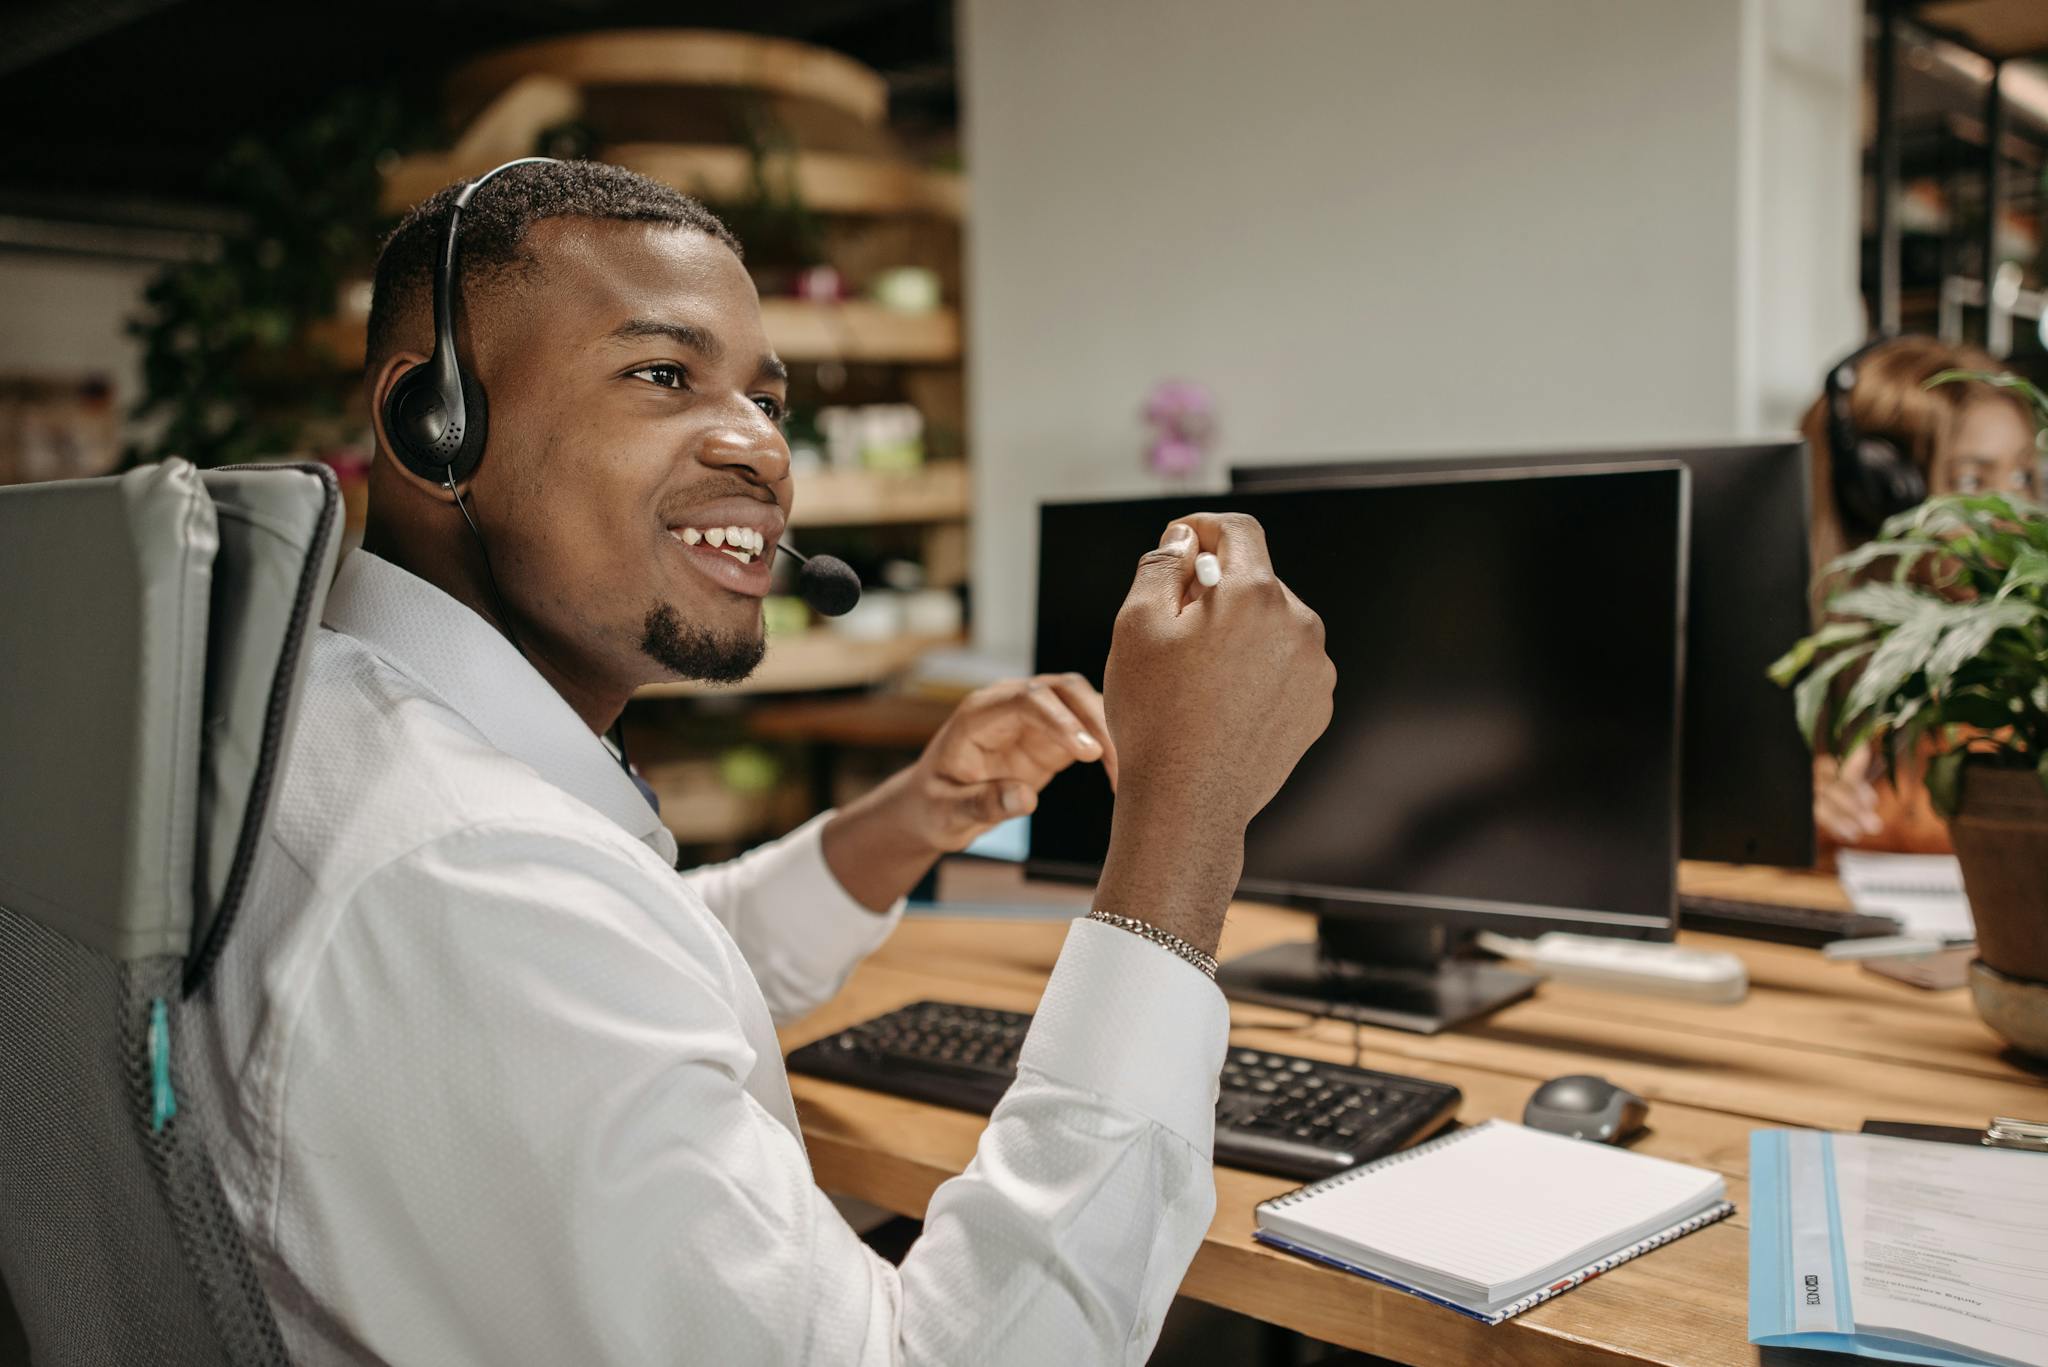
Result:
[[492, 245]]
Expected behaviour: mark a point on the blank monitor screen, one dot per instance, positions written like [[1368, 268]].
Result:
[[1504, 743], [1748, 775]]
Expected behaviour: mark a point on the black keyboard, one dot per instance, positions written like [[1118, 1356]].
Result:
[[1785, 925], [1295, 1117]]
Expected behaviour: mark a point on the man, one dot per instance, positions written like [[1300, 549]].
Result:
[[499, 1085]]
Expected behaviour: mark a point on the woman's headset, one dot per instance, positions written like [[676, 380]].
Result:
[[1873, 479]]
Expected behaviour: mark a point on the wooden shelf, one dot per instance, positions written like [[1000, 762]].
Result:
[[863, 498], [680, 57], [825, 182], [798, 330], [816, 659], [858, 331]]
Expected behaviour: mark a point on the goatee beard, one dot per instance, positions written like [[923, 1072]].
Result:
[[693, 652]]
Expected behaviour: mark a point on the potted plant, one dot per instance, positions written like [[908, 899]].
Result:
[[1949, 653]]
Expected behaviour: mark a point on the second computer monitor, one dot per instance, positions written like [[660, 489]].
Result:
[[1503, 751], [1748, 776]]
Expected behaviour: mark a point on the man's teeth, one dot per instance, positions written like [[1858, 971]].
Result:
[[741, 543]]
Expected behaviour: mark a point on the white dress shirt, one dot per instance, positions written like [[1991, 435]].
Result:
[[493, 1084]]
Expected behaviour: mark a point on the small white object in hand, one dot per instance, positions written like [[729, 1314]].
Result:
[[1208, 570]]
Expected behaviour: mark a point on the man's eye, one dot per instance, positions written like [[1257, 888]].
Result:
[[772, 406], [1970, 482], [667, 376]]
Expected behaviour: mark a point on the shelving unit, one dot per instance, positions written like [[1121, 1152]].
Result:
[[814, 660], [857, 331], [799, 330], [865, 498]]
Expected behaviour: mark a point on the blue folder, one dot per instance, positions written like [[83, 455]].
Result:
[[1778, 1290]]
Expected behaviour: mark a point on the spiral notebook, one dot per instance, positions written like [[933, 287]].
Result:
[[1492, 1220]]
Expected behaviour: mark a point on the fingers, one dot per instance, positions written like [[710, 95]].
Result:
[[978, 806], [1033, 728], [1845, 801], [1086, 704], [1164, 574], [1198, 552]]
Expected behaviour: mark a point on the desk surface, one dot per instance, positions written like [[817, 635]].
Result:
[[1817, 1044]]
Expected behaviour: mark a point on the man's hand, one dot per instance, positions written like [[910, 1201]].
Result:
[[1212, 696], [988, 763]]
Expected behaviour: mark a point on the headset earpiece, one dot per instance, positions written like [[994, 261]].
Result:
[[1873, 480], [417, 420]]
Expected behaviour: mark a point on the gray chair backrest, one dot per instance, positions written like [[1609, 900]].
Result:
[[151, 631]]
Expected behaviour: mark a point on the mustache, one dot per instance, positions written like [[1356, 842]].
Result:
[[692, 496]]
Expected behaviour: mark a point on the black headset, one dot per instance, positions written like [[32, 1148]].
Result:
[[1873, 479], [435, 416]]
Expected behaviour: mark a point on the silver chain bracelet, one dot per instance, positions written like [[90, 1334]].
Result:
[[1165, 939]]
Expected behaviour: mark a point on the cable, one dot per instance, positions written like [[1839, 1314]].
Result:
[[504, 617]]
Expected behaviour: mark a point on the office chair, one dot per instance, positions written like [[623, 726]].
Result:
[[152, 627]]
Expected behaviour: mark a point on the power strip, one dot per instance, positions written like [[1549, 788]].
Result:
[[1641, 966]]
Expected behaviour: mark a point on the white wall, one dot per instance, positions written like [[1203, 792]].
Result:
[[63, 315], [1378, 228]]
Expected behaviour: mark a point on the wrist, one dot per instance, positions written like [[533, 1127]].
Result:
[[879, 845], [1173, 865]]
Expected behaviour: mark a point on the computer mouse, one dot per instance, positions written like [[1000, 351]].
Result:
[[1585, 1107]]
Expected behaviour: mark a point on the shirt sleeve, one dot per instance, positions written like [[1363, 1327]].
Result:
[[799, 930], [524, 1132]]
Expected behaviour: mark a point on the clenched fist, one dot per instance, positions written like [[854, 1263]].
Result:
[[1212, 697]]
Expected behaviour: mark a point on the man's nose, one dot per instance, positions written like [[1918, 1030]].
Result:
[[755, 451]]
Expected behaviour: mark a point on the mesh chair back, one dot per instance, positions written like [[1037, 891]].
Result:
[[151, 647]]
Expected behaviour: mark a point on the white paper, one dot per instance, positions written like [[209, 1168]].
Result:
[[1924, 891], [1498, 1209], [1946, 1245]]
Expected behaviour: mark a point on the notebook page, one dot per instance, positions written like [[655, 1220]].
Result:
[[1504, 1204]]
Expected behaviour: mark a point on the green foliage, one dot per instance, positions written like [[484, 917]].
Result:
[[1964, 657], [219, 378]]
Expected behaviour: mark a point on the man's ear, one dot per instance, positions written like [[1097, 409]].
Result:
[[388, 375]]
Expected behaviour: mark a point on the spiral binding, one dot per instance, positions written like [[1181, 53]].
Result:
[[1391, 1160]]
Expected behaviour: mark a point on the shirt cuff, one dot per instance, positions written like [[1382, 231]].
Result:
[[842, 932], [1133, 1021]]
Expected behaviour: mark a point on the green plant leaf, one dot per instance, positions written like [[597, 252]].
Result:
[[2024, 388], [2029, 568], [2041, 769], [1970, 632], [1907, 550], [1902, 655], [1944, 782], [1893, 604], [1812, 693], [1793, 662]]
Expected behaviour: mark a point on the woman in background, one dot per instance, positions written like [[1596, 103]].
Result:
[[1880, 441]]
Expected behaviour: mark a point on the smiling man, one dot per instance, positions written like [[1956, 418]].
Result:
[[497, 1084]]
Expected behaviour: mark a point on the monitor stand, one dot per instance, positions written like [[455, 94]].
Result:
[[1405, 975]]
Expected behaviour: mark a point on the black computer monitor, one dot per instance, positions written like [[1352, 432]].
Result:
[[1503, 752], [1748, 775]]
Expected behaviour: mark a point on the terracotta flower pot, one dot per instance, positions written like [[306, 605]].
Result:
[[2001, 836]]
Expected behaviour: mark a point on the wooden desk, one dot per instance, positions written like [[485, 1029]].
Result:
[[1817, 1044]]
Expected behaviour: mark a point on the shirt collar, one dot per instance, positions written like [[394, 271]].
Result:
[[464, 661]]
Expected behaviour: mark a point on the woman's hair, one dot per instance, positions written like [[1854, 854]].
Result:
[[1890, 400]]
